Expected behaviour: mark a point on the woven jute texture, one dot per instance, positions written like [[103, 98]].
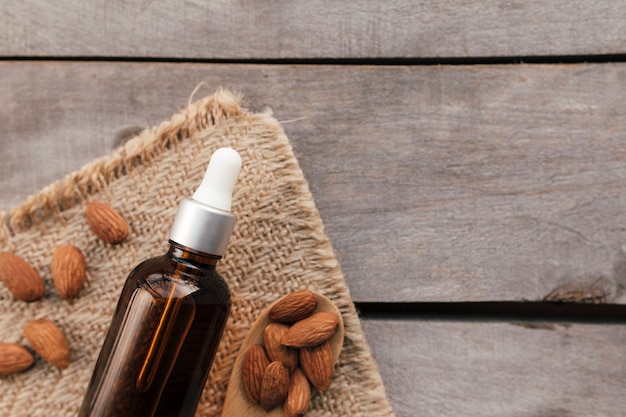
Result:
[[279, 245]]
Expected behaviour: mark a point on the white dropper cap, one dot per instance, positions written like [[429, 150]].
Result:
[[216, 189], [204, 223]]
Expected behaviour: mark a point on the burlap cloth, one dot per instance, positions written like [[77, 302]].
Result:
[[279, 245]]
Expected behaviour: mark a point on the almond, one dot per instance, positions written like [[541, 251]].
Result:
[[275, 385], [294, 307], [68, 271], [106, 223], [254, 364], [272, 336], [311, 331], [48, 341], [299, 396], [14, 358], [317, 364], [20, 278]]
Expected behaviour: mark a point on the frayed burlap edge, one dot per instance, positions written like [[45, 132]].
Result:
[[79, 186]]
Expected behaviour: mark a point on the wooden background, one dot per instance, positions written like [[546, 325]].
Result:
[[468, 159]]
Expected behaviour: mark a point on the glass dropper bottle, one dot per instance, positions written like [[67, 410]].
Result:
[[172, 312]]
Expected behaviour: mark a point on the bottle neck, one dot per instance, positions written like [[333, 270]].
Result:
[[187, 255]]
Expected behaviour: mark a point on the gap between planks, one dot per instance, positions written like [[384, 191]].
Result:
[[526, 312], [370, 61]]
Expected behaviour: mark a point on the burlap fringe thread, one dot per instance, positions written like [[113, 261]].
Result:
[[278, 246]]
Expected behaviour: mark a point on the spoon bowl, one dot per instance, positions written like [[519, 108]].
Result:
[[237, 402]]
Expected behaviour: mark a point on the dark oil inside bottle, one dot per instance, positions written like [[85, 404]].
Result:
[[188, 377], [162, 340]]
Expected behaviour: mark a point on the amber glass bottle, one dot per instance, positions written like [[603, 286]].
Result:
[[172, 312]]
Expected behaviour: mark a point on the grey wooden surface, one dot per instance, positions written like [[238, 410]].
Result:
[[501, 369], [482, 182], [278, 29]]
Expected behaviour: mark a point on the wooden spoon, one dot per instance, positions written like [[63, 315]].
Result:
[[237, 402]]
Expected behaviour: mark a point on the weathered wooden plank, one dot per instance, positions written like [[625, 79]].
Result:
[[435, 183], [243, 29], [433, 368]]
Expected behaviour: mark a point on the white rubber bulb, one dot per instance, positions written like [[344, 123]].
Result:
[[216, 189]]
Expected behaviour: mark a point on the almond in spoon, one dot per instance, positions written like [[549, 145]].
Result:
[[294, 307], [254, 364], [275, 386], [312, 331], [299, 396], [317, 364], [272, 335]]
